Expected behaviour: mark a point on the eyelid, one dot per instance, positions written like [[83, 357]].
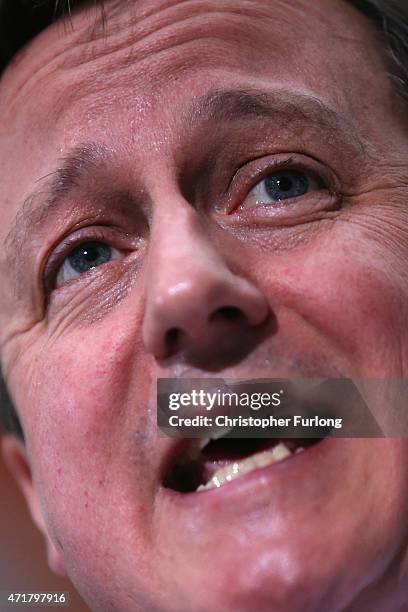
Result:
[[105, 234], [249, 175]]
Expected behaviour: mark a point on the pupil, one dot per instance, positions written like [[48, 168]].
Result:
[[88, 256], [284, 183]]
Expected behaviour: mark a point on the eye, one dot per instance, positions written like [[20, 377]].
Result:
[[83, 258], [282, 185]]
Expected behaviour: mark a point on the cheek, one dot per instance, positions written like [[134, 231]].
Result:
[[347, 301], [84, 384], [84, 376], [88, 400]]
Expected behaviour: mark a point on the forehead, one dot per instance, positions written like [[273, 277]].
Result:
[[135, 53], [121, 74]]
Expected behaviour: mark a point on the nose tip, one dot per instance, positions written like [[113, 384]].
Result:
[[207, 310]]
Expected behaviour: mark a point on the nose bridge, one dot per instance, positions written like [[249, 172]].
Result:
[[185, 272], [183, 260], [188, 282]]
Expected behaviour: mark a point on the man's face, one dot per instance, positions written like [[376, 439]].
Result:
[[240, 170]]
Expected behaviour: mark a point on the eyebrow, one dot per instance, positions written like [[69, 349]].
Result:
[[50, 190], [216, 106], [294, 107]]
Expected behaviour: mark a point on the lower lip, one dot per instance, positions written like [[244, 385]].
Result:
[[272, 477]]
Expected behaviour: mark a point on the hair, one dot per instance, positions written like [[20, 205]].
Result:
[[22, 20]]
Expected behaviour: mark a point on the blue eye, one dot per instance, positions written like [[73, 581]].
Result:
[[280, 186], [84, 258], [89, 255], [286, 184]]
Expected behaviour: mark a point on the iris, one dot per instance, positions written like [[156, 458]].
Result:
[[286, 185], [89, 255]]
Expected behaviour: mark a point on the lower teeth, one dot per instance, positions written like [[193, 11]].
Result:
[[239, 468]]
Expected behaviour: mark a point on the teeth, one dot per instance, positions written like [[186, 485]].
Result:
[[220, 433], [235, 470]]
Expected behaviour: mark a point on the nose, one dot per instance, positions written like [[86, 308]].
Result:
[[194, 301]]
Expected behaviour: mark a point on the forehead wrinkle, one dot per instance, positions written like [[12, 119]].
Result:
[[163, 25], [102, 34], [108, 33], [110, 52], [140, 23], [36, 61], [123, 49]]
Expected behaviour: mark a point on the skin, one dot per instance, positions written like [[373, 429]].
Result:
[[320, 285]]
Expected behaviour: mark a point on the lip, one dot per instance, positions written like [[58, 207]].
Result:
[[249, 490]]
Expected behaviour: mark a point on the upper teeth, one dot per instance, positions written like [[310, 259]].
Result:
[[216, 435], [238, 468]]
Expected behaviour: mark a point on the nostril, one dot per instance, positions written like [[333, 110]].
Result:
[[227, 313], [172, 338]]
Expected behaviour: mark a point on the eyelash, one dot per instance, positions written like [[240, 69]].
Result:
[[241, 184]]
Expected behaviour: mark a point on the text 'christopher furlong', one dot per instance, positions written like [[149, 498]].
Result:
[[223, 420]]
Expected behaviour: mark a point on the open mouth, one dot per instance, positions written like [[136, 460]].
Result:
[[210, 464]]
